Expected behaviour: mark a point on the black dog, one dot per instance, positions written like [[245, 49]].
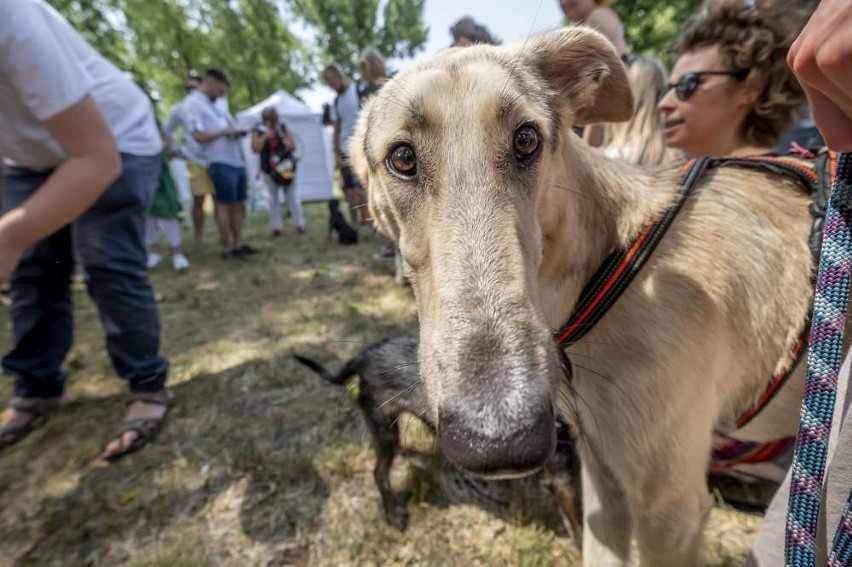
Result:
[[389, 385], [337, 223]]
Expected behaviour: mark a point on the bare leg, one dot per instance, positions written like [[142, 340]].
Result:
[[198, 219], [237, 218], [223, 222]]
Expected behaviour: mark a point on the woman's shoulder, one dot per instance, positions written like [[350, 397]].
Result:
[[603, 15], [606, 21]]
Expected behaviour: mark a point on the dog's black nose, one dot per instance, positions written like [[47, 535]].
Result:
[[519, 446]]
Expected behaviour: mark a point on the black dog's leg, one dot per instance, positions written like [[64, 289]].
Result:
[[385, 433], [562, 477]]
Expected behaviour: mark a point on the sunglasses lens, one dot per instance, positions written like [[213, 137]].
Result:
[[686, 87]]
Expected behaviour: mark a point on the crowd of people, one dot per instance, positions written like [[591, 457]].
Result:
[[103, 195]]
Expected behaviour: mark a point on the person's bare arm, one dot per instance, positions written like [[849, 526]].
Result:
[[207, 136], [606, 22], [257, 141], [289, 142], [821, 57], [593, 134], [336, 140], [92, 164]]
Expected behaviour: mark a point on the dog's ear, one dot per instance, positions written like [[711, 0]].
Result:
[[582, 65]]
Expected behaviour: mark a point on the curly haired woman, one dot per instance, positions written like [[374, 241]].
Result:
[[732, 93]]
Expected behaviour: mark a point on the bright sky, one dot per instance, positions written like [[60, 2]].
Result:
[[507, 19]]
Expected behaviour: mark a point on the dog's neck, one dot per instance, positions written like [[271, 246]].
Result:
[[591, 205]]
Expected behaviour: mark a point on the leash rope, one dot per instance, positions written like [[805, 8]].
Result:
[[824, 360]]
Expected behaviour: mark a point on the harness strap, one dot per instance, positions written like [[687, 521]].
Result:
[[729, 452], [824, 359], [779, 379], [622, 265]]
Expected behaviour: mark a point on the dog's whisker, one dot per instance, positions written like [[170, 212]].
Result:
[[397, 368], [609, 380], [402, 393], [587, 439]]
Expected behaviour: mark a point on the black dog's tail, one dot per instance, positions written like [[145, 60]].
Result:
[[349, 370]]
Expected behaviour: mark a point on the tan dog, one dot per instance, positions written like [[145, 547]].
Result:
[[503, 214]]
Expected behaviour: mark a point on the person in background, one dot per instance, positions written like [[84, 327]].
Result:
[[200, 183], [373, 73], [598, 15], [276, 146], [821, 57], [732, 93], [373, 76], [164, 217], [466, 32], [344, 115], [71, 194], [640, 140], [214, 129]]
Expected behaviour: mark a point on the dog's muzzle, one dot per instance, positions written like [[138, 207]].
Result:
[[521, 445]]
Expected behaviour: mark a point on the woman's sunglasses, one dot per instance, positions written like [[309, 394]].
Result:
[[688, 84]]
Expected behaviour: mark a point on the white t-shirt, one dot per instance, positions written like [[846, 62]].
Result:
[[345, 110], [45, 68], [178, 119], [203, 115]]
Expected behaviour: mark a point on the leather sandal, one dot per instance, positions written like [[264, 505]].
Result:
[[39, 410], [145, 428]]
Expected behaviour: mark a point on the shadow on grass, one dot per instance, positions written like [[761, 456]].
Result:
[[222, 454]]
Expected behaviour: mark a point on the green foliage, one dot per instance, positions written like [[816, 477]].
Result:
[[345, 27], [160, 41], [653, 26]]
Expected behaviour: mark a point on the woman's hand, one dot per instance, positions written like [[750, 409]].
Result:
[[821, 57]]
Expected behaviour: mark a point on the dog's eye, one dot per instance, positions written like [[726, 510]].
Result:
[[526, 142], [402, 160]]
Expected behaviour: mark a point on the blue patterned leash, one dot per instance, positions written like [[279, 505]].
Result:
[[824, 360]]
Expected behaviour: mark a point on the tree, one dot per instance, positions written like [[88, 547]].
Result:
[[161, 41], [653, 26], [345, 27]]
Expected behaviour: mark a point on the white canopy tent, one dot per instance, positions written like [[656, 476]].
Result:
[[315, 172]]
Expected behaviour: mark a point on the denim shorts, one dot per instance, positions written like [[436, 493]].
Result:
[[229, 182]]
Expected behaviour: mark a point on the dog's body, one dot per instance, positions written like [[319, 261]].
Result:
[[388, 386], [503, 214], [337, 223]]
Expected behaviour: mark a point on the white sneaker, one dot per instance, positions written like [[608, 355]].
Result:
[[154, 260], [180, 262]]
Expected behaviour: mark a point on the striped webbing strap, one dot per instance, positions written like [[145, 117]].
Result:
[[623, 264], [824, 360]]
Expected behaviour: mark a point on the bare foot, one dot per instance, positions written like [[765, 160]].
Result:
[[15, 418], [136, 410]]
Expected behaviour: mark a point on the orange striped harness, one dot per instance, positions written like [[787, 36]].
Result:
[[620, 268]]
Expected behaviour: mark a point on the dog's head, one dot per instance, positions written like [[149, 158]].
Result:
[[456, 153]]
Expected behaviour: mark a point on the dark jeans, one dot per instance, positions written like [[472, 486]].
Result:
[[108, 241]]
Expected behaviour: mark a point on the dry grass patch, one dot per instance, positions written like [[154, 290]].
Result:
[[261, 463]]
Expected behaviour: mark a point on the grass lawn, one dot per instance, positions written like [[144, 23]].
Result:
[[261, 463]]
